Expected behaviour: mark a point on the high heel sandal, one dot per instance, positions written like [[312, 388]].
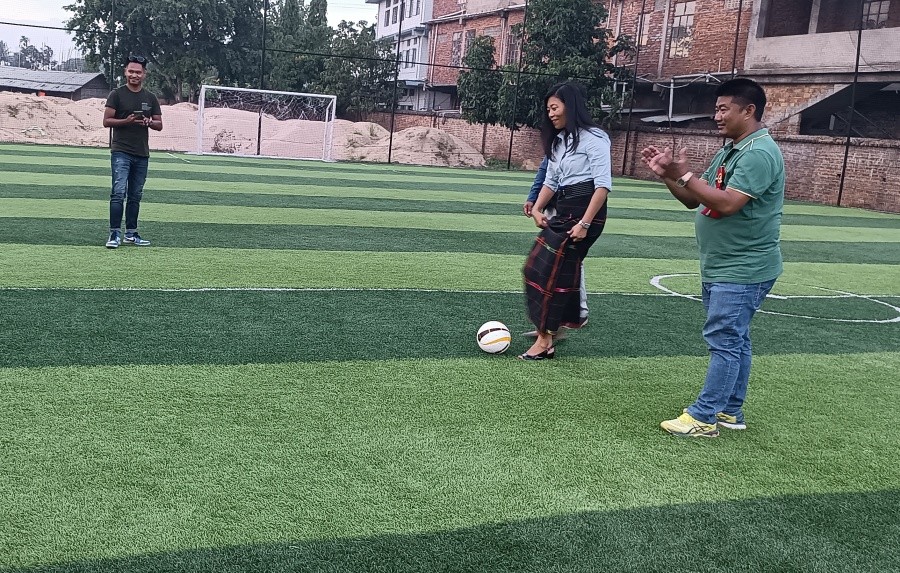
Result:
[[545, 355]]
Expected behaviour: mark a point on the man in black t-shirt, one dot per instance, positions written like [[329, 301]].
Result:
[[130, 111]]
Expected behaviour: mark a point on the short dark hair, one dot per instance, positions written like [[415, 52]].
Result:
[[132, 59], [744, 91], [574, 97]]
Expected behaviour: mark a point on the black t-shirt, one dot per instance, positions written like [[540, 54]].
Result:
[[133, 138]]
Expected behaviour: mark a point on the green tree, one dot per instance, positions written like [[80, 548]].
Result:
[[362, 77], [31, 57], [286, 25], [479, 86], [563, 41], [188, 42], [4, 52], [300, 37]]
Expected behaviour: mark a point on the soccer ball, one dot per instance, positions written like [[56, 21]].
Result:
[[493, 337]]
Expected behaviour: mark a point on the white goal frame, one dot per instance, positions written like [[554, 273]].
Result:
[[328, 121]]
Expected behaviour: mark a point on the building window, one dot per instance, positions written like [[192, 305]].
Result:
[[412, 58], [513, 44], [387, 17], [733, 4], [456, 49], [875, 14], [470, 37], [418, 6], [643, 29], [394, 16], [682, 30]]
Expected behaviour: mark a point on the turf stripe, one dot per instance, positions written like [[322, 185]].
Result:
[[624, 208], [36, 231], [270, 327], [30, 265], [87, 209], [358, 188]]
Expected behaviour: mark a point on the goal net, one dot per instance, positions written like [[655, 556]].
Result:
[[241, 121]]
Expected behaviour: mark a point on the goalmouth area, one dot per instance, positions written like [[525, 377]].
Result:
[[288, 380]]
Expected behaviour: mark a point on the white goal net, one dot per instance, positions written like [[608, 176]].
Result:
[[241, 121]]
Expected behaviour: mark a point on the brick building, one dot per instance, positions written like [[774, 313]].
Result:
[[454, 26], [802, 51]]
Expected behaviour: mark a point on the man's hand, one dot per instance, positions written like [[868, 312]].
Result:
[[539, 218], [526, 208], [664, 164]]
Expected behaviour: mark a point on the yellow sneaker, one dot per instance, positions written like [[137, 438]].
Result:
[[731, 422], [686, 426]]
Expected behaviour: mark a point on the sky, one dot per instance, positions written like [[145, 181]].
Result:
[[51, 13]]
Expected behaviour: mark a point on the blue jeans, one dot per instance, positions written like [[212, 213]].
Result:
[[729, 309], [129, 172]]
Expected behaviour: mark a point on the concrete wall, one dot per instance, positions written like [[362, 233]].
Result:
[[825, 53]]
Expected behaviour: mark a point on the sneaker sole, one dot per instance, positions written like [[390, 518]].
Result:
[[714, 434], [111, 246], [730, 426]]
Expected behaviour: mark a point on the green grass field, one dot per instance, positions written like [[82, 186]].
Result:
[[287, 380]]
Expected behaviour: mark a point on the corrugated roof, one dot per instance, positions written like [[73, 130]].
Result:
[[678, 117], [65, 82]]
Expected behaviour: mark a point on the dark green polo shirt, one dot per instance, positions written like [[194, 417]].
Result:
[[745, 247]]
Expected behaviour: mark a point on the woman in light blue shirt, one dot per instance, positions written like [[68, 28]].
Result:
[[579, 176]]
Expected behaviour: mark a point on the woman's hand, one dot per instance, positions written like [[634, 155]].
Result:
[[539, 218], [577, 233]]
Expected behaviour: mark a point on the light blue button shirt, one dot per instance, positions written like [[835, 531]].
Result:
[[590, 160]]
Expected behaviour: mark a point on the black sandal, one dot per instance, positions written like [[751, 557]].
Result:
[[545, 355]]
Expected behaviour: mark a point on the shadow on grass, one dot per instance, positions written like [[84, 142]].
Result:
[[823, 532]]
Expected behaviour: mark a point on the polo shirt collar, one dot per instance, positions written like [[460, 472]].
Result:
[[747, 140]]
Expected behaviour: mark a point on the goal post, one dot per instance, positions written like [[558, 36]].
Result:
[[265, 123]]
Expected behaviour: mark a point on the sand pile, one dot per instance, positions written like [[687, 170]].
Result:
[[51, 120]]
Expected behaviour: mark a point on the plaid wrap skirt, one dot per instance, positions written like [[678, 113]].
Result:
[[553, 269]]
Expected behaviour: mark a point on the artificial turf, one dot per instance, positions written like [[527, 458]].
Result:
[[355, 426]]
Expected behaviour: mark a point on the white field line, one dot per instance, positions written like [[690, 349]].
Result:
[[665, 294], [657, 282]]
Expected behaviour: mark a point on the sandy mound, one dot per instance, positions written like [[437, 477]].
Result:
[[422, 146], [33, 119]]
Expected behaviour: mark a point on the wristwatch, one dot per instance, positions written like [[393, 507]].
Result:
[[683, 180], [584, 225]]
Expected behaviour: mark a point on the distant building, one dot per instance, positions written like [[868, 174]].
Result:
[[71, 85], [403, 21], [802, 51], [454, 26]]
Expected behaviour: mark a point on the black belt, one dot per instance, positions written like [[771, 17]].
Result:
[[576, 190]]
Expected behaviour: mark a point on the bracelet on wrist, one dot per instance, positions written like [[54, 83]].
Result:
[[584, 225]]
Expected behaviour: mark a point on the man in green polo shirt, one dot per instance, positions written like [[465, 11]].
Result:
[[739, 200]]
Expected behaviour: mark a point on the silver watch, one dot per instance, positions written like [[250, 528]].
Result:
[[584, 225]]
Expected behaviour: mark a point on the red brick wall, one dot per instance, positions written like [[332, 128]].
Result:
[[786, 101], [712, 48], [441, 8], [442, 41], [813, 163]]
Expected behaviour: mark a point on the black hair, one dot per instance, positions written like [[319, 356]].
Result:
[[744, 91], [574, 97], [132, 59]]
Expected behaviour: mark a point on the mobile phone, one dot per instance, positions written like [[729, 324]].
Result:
[[139, 112]]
